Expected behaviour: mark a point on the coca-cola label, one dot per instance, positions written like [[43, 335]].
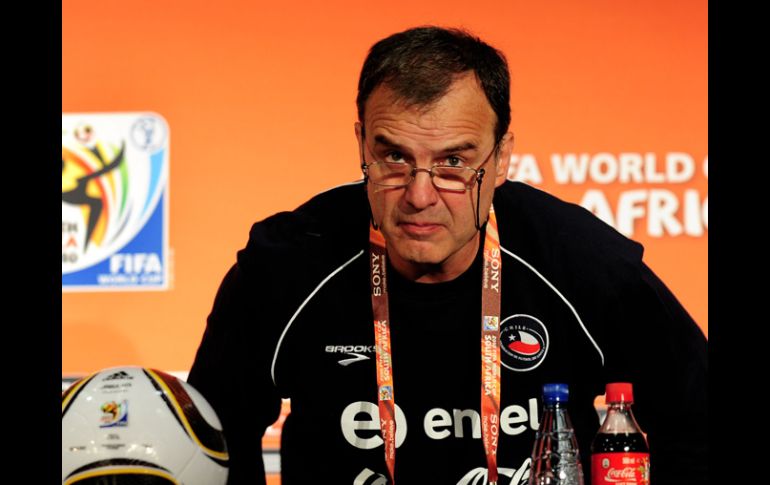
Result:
[[620, 468]]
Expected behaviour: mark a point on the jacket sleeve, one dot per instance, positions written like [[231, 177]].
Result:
[[658, 347], [231, 370]]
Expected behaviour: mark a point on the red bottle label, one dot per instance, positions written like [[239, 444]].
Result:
[[620, 468]]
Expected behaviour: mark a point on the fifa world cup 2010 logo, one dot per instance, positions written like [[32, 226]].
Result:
[[114, 414], [114, 199]]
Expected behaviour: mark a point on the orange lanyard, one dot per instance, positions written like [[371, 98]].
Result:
[[490, 347]]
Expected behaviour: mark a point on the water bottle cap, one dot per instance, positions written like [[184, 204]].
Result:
[[619, 392], [555, 392]]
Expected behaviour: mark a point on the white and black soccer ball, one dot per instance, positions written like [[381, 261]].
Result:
[[134, 425]]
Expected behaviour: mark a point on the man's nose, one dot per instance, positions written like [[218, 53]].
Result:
[[421, 192]]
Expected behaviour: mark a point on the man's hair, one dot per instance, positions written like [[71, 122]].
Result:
[[421, 63]]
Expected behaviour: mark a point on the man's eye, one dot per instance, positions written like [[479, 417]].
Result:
[[453, 161], [394, 157]]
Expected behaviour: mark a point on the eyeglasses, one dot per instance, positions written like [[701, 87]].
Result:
[[443, 177]]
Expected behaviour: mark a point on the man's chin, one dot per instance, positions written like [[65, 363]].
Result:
[[417, 253]]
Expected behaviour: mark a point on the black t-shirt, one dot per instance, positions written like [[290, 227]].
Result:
[[293, 319]]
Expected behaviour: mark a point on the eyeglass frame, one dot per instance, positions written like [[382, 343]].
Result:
[[478, 178]]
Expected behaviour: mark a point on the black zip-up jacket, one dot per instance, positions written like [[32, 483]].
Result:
[[293, 319]]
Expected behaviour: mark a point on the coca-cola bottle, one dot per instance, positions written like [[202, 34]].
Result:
[[619, 452]]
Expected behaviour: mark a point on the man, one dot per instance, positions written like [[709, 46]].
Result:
[[404, 262]]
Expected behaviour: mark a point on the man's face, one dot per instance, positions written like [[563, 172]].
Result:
[[431, 234]]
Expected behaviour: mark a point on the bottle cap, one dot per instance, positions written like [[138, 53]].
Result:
[[619, 392], [555, 392]]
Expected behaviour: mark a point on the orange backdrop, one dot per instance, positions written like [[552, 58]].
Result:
[[259, 98]]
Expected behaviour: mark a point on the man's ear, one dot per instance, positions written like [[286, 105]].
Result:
[[503, 159], [359, 128]]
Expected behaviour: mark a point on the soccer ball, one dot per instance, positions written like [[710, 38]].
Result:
[[134, 425]]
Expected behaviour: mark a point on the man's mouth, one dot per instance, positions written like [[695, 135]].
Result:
[[419, 229]]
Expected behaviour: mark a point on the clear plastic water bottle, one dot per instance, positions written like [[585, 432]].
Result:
[[555, 456]]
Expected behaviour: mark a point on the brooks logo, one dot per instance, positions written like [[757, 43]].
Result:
[[356, 352]]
